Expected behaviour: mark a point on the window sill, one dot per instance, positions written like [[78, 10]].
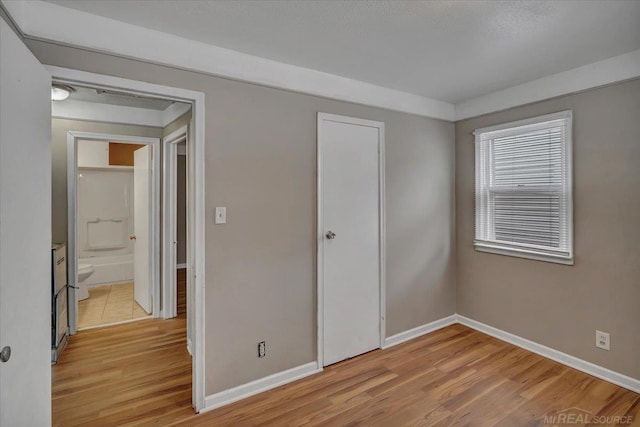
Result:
[[523, 253]]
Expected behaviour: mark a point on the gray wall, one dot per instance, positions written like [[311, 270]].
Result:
[[59, 129], [261, 164], [556, 305]]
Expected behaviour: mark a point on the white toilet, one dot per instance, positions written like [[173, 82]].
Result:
[[84, 271]]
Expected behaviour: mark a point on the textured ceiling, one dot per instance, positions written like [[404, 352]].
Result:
[[447, 50]]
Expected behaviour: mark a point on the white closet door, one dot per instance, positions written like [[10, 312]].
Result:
[[350, 214]]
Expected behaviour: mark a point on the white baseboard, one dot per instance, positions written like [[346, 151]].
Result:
[[419, 331], [560, 357], [280, 378], [183, 265], [258, 386]]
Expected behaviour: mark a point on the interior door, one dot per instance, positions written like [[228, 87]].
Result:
[[25, 235], [142, 227], [349, 152]]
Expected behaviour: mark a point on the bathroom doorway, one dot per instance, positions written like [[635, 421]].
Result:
[[111, 221], [114, 191]]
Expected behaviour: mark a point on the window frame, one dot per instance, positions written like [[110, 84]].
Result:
[[523, 250]]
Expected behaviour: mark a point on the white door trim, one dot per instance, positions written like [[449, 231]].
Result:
[[196, 258], [72, 215], [169, 231], [322, 117]]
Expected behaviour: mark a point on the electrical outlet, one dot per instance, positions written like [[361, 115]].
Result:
[[262, 349], [602, 340]]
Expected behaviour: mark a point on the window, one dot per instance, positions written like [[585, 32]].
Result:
[[524, 190]]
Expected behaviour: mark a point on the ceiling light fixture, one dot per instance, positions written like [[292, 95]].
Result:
[[60, 92]]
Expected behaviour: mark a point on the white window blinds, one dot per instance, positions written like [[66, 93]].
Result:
[[523, 188]]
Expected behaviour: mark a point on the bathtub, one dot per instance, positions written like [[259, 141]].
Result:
[[110, 269]]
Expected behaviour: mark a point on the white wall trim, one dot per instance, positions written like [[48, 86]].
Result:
[[612, 70], [46, 21], [550, 353], [96, 112], [173, 112], [169, 226], [183, 265], [320, 236], [419, 331], [260, 385], [275, 380]]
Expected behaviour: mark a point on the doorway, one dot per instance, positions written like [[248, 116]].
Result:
[[113, 228], [177, 227], [350, 237], [191, 279]]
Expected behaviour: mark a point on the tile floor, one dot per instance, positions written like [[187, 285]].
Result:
[[109, 304]]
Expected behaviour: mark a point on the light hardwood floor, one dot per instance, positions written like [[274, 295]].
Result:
[[140, 374]]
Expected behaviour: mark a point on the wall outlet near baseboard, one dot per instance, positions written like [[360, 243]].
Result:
[[262, 349], [602, 340]]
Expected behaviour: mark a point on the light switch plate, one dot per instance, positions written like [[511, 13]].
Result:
[[221, 215]]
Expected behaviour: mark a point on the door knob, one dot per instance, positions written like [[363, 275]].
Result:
[[132, 237], [5, 354], [330, 235]]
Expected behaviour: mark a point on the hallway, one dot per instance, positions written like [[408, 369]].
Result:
[[133, 373]]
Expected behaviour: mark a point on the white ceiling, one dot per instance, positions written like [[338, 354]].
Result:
[[114, 98], [447, 50]]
